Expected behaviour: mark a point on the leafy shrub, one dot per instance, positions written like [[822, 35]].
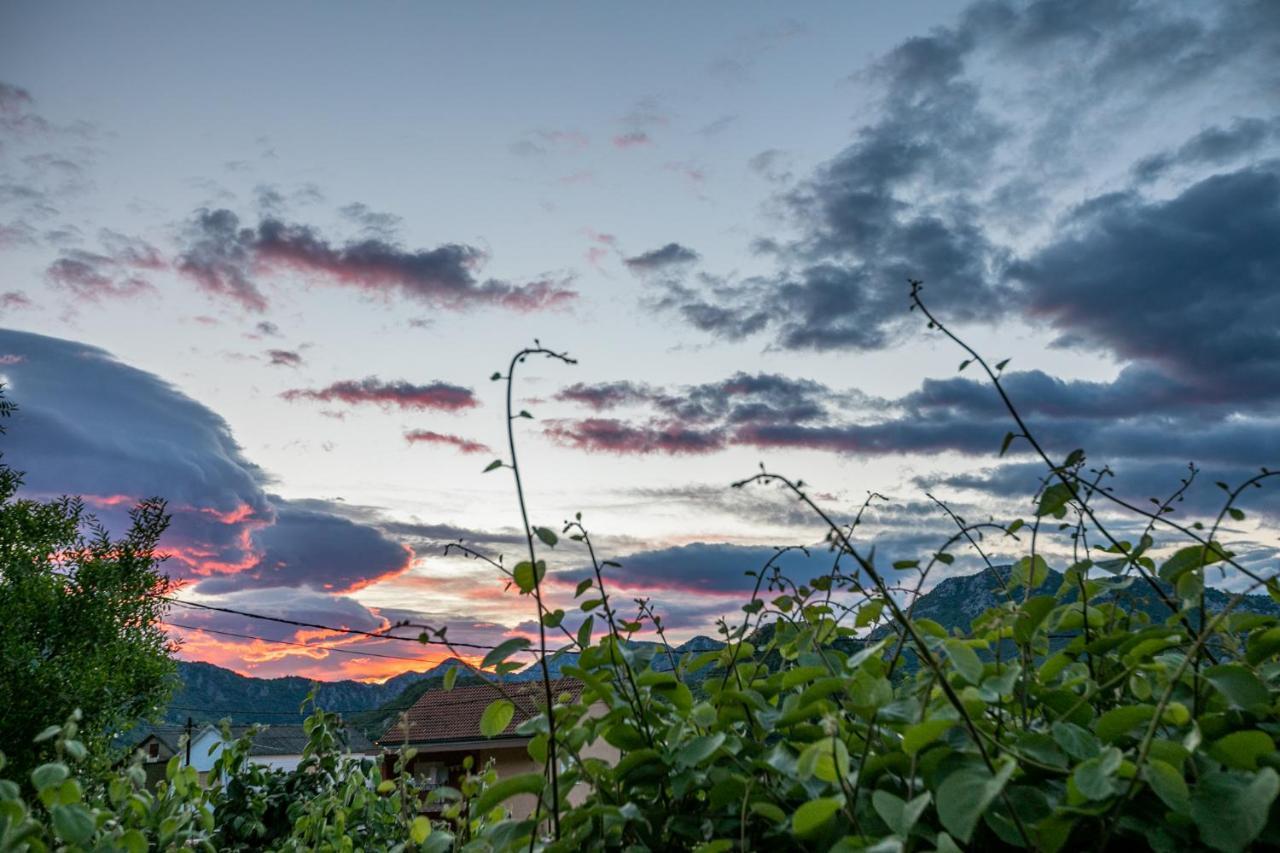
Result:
[[79, 619], [1062, 718]]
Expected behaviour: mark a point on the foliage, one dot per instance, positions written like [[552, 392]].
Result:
[[80, 620], [1069, 712]]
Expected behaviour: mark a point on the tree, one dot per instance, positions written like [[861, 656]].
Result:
[[79, 619]]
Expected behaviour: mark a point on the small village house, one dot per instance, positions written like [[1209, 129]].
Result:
[[276, 746], [444, 727]]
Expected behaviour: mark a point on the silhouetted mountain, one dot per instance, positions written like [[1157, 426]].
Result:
[[208, 693]]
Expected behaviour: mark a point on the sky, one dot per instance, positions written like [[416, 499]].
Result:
[[263, 260]]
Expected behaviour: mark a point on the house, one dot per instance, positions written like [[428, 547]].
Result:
[[159, 745], [444, 727], [276, 746]]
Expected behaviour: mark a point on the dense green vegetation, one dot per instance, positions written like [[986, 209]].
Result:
[[1108, 701], [79, 620]]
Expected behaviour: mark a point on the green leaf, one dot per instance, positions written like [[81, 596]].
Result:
[[583, 586], [826, 759], [73, 823], [965, 660], [1033, 613], [1190, 558], [1093, 778], [699, 749], [525, 576], [49, 775], [869, 612], [917, 737], [906, 564], [1236, 513], [1077, 742], [553, 618], [1053, 501], [768, 811], [503, 651], [1008, 440], [492, 466], [50, 732], [420, 829], [1241, 687], [496, 717], [584, 631], [505, 789], [965, 795], [900, 816], [1241, 750], [1168, 785], [1029, 572], [1118, 722], [1230, 809], [547, 536], [450, 677], [811, 817]]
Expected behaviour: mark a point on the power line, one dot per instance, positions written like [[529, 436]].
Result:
[[295, 643]]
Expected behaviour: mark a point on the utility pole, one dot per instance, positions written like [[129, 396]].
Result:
[[190, 726]]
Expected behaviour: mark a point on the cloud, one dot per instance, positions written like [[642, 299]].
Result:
[[305, 547], [1208, 253], [704, 568], [1144, 413], [1213, 146], [463, 445], [403, 395], [373, 222], [89, 425], [632, 139], [657, 260], [613, 436], [541, 142], [16, 234], [11, 300], [606, 395], [283, 358], [224, 258], [971, 140], [740, 398]]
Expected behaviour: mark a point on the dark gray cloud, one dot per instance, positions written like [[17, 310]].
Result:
[[284, 358], [88, 425], [659, 260], [401, 394], [1188, 284], [693, 419], [223, 258], [1143, 414], [917, 192], [610, 435], [703, 567], [1214, 146]]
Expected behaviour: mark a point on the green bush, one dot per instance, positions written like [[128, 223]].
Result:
[[1061, 719]]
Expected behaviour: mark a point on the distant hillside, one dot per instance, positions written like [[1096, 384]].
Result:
[[956, 601], [207, 693]]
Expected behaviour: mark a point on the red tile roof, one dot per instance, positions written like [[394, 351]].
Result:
[[454, 715]]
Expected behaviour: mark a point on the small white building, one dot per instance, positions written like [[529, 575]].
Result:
[[276, 746]]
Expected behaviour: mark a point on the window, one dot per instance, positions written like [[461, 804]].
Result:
[[153, 750], [432, 774]]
